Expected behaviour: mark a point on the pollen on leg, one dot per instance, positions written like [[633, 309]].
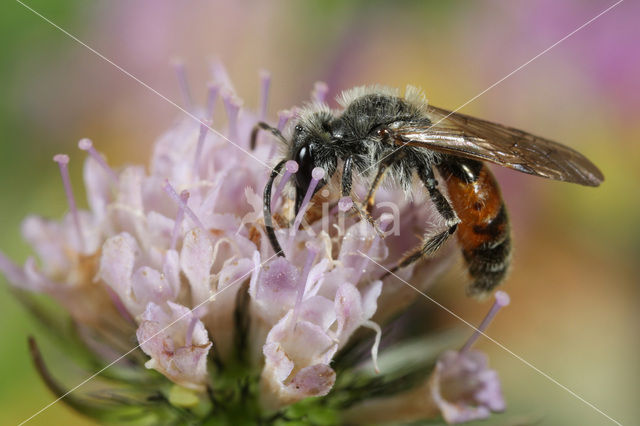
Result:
[[63, 162]]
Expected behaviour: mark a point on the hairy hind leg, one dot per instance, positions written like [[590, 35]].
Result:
[[431, 244]]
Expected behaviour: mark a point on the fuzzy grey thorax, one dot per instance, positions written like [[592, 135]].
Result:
[[322, 138]]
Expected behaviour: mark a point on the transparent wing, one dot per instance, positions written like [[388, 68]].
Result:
[[464, 136]]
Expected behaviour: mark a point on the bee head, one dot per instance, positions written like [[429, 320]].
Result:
[[311, 148]]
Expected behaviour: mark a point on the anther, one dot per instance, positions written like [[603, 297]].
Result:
[[345, 204], [86, 145], [63, 161], [502, 300]]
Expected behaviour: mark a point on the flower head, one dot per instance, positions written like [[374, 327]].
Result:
[[176, 260]]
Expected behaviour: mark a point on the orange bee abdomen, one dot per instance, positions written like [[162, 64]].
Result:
[[483, 231]]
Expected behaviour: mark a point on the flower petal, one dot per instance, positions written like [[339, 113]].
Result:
[[162, 335], [464, 388], [196, 260]]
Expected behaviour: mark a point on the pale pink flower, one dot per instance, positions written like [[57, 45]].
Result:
[[177, 257]]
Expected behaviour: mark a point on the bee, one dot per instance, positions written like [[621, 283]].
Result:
[[382, 135]]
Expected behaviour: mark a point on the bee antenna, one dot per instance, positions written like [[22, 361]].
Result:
[[266, 208], [261, 125]]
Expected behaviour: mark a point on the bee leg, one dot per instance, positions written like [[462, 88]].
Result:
[[261, 125], [347, 176], [347, 182], [266, 209], [371, 196], [432, 244]]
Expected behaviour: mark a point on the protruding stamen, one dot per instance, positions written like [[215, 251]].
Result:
[[204, 127], [265, 82], [86, 145], [232, 104], [284, 117], [385, 220], [220, 75], [213, 90], [290, 168], [174, 195], [184, 197], [312, 252], [63, 161], [502, 300], [181, 73], [316, 176], [319, 92]]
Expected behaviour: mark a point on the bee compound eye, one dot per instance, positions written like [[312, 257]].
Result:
[[304, 158]]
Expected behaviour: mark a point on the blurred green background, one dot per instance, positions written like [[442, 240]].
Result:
[[574, 285]]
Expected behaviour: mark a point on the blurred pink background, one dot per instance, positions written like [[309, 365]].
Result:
[[574, 283]]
